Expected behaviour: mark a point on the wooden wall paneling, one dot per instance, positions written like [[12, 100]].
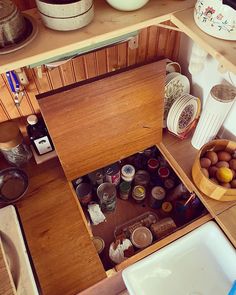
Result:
[[78, 66], [31, 90], [112, 58], [25, 108], [101, 61], [43, 84], [90, 65], [142, 48], [153, 34], [55, 78], [3, 113], [170, 44], [132, 53], [7, 100], [122, 55], [162, 41], [67, 73]]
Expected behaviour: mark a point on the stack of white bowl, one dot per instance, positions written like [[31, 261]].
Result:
[[66, 15]]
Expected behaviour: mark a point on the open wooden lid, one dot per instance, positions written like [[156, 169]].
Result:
[[100, 121]]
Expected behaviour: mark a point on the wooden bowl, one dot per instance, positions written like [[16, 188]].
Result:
[[208, 187]]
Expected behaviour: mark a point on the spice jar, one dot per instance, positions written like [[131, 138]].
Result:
[[84, 193], [153, 164], [158, 193], [139, 193], [125, 188], [127, 173], [12, 145]]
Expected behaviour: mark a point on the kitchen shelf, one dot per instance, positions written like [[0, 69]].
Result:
[[107, 24], [181, 155], [223, 51]]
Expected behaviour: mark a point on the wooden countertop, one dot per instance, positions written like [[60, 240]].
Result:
[[65, 260]]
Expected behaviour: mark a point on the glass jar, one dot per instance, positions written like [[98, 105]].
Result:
[[12, 145]]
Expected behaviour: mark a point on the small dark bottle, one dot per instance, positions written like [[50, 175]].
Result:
[[39, 136]]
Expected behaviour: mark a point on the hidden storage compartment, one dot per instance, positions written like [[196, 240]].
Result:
[[128, 214]]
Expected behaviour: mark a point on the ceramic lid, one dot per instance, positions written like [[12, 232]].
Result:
[[141, 237], [7, 8], [10, 135]]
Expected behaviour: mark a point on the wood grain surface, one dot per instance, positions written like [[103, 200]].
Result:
[[64, 257], [227, 221], [7, 286], [151, 45], [98, 123]]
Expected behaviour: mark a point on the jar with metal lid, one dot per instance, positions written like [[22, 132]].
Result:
[[12, 144], [127, 173], [124, 189], [12, 24], [158, 193], [142, 177], [107, 195], [139, 193]]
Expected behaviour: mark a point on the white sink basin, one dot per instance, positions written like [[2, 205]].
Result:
[[16, 253], [201, 263]]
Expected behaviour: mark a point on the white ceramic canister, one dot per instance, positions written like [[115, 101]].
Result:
[[127, 5], [217, 106], [67, 17], [63, 8]]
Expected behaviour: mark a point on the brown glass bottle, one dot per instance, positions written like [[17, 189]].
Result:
[[39, 136]]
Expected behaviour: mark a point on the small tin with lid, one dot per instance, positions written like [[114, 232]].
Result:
[[166, 208], [139, 193], [158, 194], [163, 172], [124, 189], [12, 145], [153, 164], [112, 173], [107, 196], [127, 173], [84, 193]]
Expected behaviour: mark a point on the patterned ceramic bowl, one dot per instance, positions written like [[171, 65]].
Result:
[[216, 19]]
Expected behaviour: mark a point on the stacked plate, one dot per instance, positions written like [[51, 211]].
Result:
[[183, 114], [175, 86]]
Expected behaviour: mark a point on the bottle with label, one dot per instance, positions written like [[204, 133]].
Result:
[[39, 136]]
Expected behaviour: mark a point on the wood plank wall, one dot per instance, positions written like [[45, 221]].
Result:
[[153, 42]]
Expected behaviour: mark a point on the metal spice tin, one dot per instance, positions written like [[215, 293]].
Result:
[[139, 193], [158, 193], [112, 173]]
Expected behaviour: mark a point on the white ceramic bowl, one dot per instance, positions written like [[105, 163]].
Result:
[[127, 5], [216, 19], [69, 23], [61, 10]]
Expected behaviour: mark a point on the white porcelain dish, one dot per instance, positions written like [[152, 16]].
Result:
[[203, 262], [69, 23], [127, 5], [60, 10], [15, 250], [216, 19]]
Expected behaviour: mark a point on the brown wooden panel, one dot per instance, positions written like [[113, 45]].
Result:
[[67, 73], [101, 122], [64, 257]]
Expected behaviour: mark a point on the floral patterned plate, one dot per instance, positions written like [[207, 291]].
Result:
[[176, 85]]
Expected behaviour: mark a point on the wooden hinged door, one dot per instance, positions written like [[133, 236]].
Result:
[[99, 121]]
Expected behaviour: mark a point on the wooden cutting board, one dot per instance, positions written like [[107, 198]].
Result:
[[100, 121]]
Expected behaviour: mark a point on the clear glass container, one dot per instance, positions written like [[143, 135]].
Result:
[[12, 144]]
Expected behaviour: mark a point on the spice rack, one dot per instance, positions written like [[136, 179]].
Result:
[[128, 213]]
